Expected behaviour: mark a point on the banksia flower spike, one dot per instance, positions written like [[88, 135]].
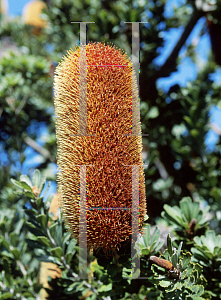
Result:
[[109, 148]]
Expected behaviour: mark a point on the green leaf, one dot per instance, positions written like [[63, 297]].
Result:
[[169, 245], [31, 213], [42, 220], [146, 217], [34, 230], [16, 253], [43, 240], [48, 200], [34, 244], [6, 265], [146, 236], [29, 194], [145, 251], [38, 179], [105, 288], [5, 243], [186, 260], [46, 258], [71, 246], [57, 252], [153, 113], [179, 249], [6, 295], [173, 214], [58, 234], [68, 256], [26, 179], [155, 236], [112, 269], [22, 185], [174, 260], [39, 202], [185, 206], [165, 283], [14, 238], [52, 229], [188, 120], [66, 237], [158, 246]]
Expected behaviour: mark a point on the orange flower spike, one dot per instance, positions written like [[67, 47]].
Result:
[[109, 150]]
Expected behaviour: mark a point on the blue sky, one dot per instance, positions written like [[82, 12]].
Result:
[[187, 71], [16, 6]]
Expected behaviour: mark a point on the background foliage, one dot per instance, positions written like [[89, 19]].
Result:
[[182, 179]]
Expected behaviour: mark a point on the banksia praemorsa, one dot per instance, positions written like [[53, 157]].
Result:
[[109, 148]]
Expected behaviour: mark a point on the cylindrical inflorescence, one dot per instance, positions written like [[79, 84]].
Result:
[[98, 127]]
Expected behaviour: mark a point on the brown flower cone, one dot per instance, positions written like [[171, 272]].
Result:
[[109, 150]]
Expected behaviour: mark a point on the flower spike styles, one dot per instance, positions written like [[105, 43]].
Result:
[[102, 137]]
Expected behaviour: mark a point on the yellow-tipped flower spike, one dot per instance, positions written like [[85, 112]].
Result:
[[31, 14], [109, 150]]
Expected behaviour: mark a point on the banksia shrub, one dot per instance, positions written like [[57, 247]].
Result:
[[48, 268], [109, 148]]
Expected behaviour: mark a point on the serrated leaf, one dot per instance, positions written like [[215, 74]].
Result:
[[185, 260], [165, 283]]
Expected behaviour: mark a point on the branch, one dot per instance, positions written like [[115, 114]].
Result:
[[170, 63], [30, 142]]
